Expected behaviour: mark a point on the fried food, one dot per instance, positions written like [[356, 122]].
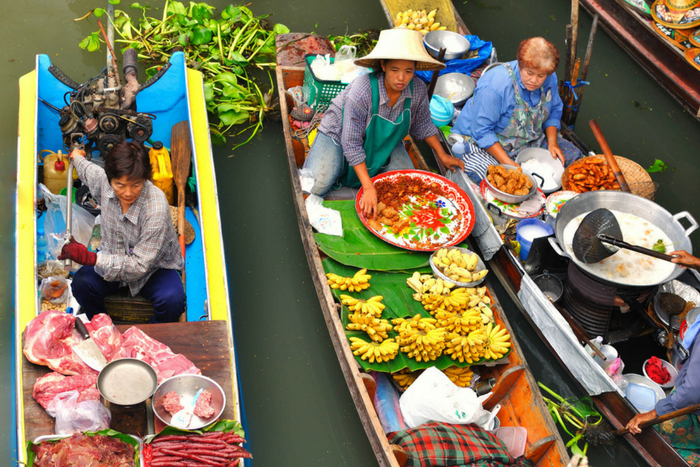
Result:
[[590, 174], [513, 182], [375, 224]]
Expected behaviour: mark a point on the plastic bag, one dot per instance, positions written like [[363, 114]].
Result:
[[323, 219], [323, 68], [73, 416], [467, 65], [434, 397], [54, 289], [345, 59], [386, 401], [55, 224]]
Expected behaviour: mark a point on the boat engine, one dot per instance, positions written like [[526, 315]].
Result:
[[104, 110]]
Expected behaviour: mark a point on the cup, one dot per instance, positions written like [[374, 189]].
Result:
[[610, 356]]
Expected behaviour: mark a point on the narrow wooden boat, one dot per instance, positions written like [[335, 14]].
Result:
[[516, 389], [660, 57], [206, 338], [547, 321]]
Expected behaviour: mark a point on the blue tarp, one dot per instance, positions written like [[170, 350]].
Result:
[[464, 66]]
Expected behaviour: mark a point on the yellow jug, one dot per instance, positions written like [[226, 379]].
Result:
[[55, 166], [162, 170]]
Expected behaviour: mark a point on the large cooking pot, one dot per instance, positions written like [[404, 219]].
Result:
[[631, 204]]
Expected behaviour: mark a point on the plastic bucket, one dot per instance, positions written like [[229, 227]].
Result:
[[529, 229], [441, 111], [65, 190]]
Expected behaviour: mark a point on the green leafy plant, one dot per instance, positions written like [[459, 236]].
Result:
[[227, 49], [659, 166], [363, 41], [575, 416]]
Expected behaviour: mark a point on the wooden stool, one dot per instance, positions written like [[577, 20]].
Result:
[[125, 309]]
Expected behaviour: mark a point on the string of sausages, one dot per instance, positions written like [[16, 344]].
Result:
[[215, 449]]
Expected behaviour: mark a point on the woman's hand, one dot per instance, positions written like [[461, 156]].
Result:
[[633, 425], [368, 203], [451, 163], [556, 152], [685, 259], [76, 152]]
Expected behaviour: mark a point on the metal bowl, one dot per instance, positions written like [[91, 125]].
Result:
[[543, 156], [507, 197], [671, 371], [480, 266], [186, 386], [455, 45], [455, 87], [127, 381]]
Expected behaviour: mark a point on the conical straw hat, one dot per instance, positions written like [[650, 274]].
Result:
[[400, 44]]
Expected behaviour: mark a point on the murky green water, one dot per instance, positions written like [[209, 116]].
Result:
[[298, 406]]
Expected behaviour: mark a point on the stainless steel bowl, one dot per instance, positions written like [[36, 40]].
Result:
[[186, 386], [127, 381], [480, 266], [455, 87], [507, 197], [455, 45]]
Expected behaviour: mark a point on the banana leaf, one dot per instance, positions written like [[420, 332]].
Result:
[[399, 302], [360, 248]]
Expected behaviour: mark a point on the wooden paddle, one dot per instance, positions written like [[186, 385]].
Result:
[[181, 151], [661, 419], [609, 155]]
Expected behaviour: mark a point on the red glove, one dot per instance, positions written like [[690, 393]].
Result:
[[78, 252]]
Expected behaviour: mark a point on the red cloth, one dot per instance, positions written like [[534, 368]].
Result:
[[657, 372]]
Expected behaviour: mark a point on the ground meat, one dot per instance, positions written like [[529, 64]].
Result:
[[171, 403], [397, 192], [202, 408]]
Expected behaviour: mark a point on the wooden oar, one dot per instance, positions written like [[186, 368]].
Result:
[[181, 151], [609, 156], [661, 419]]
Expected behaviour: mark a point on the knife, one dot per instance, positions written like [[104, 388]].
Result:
[[88, 350]]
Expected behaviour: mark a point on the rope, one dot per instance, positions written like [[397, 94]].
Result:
[[313, 124], [567, 84]]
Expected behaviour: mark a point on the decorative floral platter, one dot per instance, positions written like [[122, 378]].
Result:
[[434, 221], [556, 200], [510, 210]]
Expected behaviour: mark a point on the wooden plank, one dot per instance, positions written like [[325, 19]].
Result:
[[504, 385], [209, 351], [537, 451]]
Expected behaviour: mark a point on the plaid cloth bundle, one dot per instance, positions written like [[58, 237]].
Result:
[[436, 444]]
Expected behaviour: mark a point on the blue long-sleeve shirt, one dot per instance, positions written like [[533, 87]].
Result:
[[687, 385], [490, 109]]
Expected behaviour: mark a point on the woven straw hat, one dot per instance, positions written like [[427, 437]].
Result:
[[400, 44]]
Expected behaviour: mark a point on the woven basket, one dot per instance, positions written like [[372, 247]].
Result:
[[637, 178]]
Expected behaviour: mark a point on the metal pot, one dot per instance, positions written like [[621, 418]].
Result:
[[631, 204], [507, 197], [127, 382]]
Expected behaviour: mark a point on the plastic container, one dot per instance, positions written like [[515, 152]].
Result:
[[42, 245], [529, 229], [515, 439], [64, 192], [55, 167], [319, 92], [671, 371], [162, 170], [441, 111], [641, 397]]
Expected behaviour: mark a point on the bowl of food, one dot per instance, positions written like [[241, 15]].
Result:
[[660, 371], [455, 87], [455, 45], [175, 393], [510, 184], [539, 161], [458, 266]]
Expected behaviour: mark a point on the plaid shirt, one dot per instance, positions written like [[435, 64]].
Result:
[[350, 112], [136, 244], [437, 444]]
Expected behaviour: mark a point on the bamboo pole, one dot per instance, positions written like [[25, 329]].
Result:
[[573, 114], [574, 34]]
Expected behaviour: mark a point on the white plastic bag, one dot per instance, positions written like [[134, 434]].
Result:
[[73, 416], [323, 219], [323, 68], [345, 59], [434, 397], [55, 222], [55, 289]]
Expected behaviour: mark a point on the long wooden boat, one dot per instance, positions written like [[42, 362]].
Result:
[[548, 322], [206, 337], [660, 57], [516, 389]]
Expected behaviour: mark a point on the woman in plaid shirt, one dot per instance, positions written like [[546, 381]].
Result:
[[139, 248], [362, 131]]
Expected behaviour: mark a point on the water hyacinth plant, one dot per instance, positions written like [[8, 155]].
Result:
[[232, 50]]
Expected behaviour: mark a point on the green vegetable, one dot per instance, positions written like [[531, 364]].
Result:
[[659, 166], [659, 246], [226, 50]]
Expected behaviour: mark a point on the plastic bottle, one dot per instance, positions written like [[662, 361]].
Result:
[[162, 170], [42, 245], [458, 149], [597, 342]]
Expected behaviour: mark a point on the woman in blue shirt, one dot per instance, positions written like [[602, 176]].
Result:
[[515, 106]]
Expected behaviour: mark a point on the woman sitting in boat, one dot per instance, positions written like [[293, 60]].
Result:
[[366, 123], [683, 432], [515, 106], [139, 247]]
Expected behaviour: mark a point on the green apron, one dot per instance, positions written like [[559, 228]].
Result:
[[381, 137]]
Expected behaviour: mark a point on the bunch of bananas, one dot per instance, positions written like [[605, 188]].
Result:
[[417, 323], [460, 323], [462, 377], [375, 328], [420, 345], [418, 20], [469, 348], [427, 284], [458, 266], [497, 342], [405, 377], [373, 352], [372, 306], [360, 281]]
